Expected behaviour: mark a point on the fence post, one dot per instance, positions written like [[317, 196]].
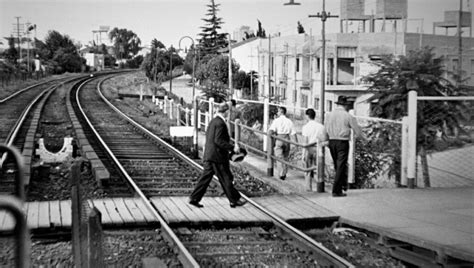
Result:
[[269, 153], [141, 92], [237, 131], [76, 214], [171, 108], [186, 112], [206, 121], [412, 125], [404, 152], [320, 161], [350, 160], [178, 117], [94, 239], [196, 127], [211, 109], [165, 106], [266, 119]]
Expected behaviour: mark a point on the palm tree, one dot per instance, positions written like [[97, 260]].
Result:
[[419, 70]]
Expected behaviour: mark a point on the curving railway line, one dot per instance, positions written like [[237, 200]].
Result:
[[153, 168]]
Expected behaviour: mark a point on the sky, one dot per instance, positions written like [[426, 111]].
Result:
[[170, 20]]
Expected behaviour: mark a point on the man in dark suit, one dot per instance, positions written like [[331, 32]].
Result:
[[216, 161]]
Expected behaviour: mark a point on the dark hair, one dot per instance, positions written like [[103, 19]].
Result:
[[283, 109], [233, 102], [310, 113]]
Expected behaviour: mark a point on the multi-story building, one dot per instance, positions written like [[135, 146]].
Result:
[[289, 66]]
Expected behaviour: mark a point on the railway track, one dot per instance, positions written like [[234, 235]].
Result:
[[153, 168]]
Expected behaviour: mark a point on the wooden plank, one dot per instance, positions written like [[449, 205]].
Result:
[[192, 213], [33, 213], [289, 205], [170, 214], [43, 216], [123, 210], [211, 213], [145, 210], [55, 213], [66, 219], [211, 205], [8, 222], [112, 210], [103, 211], [257, 214], [176, 211], [318, 210], [279, 210], [134, 210], [238, 211]]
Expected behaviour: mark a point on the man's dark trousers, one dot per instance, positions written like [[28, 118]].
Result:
[[340, 152], [222, 171]]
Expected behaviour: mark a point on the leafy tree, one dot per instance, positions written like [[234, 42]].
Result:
[[11, 54], [62, 52], [300, 28], [260, 30], [213, 72], [422, 71], [211, 40], [126, 43], [155, 65], [188, 61], [157, 44]]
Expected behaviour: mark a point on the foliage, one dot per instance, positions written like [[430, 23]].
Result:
[[260, 30], [135, 62], [60, 53], [157, 44], [379, 154], [419, 70], [213, 72], [188, 61], [126, 42], [11, 54], [155, 65], [211, 40], [300, 28]]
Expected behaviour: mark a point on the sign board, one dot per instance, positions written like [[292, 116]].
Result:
[[104, 28], [181, 131]]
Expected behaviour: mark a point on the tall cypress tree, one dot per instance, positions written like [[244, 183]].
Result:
[[211, 40]]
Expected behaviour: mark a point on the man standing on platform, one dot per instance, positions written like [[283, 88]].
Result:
[[283, 128], [314, 133], [216, 161], [339, 124]]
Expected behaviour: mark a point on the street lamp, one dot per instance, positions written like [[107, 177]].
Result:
[[171, 68], [195, 102], [324, 15]]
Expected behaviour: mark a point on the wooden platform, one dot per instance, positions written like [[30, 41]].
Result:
[[131, 212]]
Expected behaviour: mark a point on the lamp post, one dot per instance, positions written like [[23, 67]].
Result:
[[171, 68], [195, 100], [324, 16]]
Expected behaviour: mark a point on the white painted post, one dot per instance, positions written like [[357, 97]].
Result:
[[211, 108], [404, 156], [178, 118], [186, 111], [266, 119], [196, 126], [141, 92], [153, 98], [206, 122], [171, 108], [350, 160], [165, 106], [411, 158]]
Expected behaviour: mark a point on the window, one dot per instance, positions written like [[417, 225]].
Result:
[[329, 104], [304, 101], [318, 65], [316, 103], [283, 93], [455, 64], [295, 96], [297, 64]]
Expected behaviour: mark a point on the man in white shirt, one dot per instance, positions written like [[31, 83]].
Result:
[[283, 128], [314, 133]]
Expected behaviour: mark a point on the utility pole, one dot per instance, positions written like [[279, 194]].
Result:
[[324, 16], [231, 91], [171, 68], [459, 45], [19, 38]]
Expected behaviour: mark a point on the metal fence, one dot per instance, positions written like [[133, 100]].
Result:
[[444, 141]]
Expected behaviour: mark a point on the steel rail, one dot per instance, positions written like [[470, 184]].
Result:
[[183, 254], [300, 236]]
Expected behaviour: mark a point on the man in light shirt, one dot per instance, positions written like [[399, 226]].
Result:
[[314, 133], [283, 128], [338, 125]]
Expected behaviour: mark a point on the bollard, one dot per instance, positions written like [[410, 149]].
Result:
[[269, 153], [411, 154], [15, 207]]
